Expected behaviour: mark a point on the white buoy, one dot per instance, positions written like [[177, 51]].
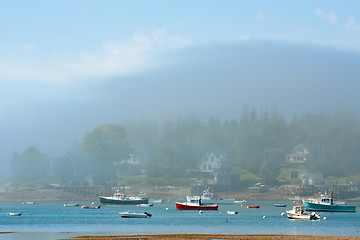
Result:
[[166, 209], [200, 212], [282, 214], [264, 217]]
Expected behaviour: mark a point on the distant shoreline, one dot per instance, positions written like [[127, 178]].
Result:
[[208, 237], [214, 236]]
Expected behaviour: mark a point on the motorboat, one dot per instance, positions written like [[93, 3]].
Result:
[[71, 204], [231, 212], [298, 212], [195, 204], [122, 199], [29, 203], [15, 213], [326, 203], [134, 215]]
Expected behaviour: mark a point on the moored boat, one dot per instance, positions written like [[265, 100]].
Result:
[[15, 213], [207, 197], [134, 215], [91, 207], [231, 212], [298, 212], [253, 206], [120, 198], [145, 205], [195, 204], [326, 203], [71, 204], [279, 205]]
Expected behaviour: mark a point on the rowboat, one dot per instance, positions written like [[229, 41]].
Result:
[[279, 205], [15, 213], [134, 215], [231, 212], [253, 206], [71, 204]]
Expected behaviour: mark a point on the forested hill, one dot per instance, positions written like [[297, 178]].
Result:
[[257, 142]]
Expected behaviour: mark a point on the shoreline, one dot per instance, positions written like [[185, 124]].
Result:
[[200, 237], [214, 236]]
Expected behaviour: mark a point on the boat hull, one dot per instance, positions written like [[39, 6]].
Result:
[[185, 206], [106, 200], [133, 215], [309, 206]]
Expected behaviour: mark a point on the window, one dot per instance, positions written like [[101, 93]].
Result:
[[294, 174]]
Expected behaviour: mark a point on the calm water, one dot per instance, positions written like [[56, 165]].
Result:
[[51, 220]]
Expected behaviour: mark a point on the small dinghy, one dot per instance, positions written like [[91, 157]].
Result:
[[134, 215], [15, 213], [279, 205], [231, 212]]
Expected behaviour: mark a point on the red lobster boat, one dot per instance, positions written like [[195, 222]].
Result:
[[195, 204]]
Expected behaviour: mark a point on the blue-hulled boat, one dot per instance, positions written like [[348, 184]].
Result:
[[326, 203]]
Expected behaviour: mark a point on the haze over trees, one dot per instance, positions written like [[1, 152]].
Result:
[[257, 142]]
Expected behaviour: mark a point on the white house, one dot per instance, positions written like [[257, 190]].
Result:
[[211, 161]]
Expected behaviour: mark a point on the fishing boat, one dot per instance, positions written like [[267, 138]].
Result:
[[207, 197], [71, 204], [90, 207], [326, 203], [253, 206], [195, 204], [298, 212], [120, 198], [231, 212], [15, 213], [279, 205], [134, 215]]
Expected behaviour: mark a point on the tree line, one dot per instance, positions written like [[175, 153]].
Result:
[[257, 142]]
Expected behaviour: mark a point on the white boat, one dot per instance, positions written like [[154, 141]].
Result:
[[240, 201], [156, 200], [231, 212], [208, 198], [15, 213], [30, 203], [145, 205], [296, 199], [122, 199], [134, 215], [71, 204], [298, 212]]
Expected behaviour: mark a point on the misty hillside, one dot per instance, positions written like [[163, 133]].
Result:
[[215, 80]]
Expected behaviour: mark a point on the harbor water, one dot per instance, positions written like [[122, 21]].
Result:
[[51, 220]]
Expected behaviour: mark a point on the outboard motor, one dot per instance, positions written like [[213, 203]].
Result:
[[148, 214]]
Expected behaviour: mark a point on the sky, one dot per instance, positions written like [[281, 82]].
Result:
[[67, 66]]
